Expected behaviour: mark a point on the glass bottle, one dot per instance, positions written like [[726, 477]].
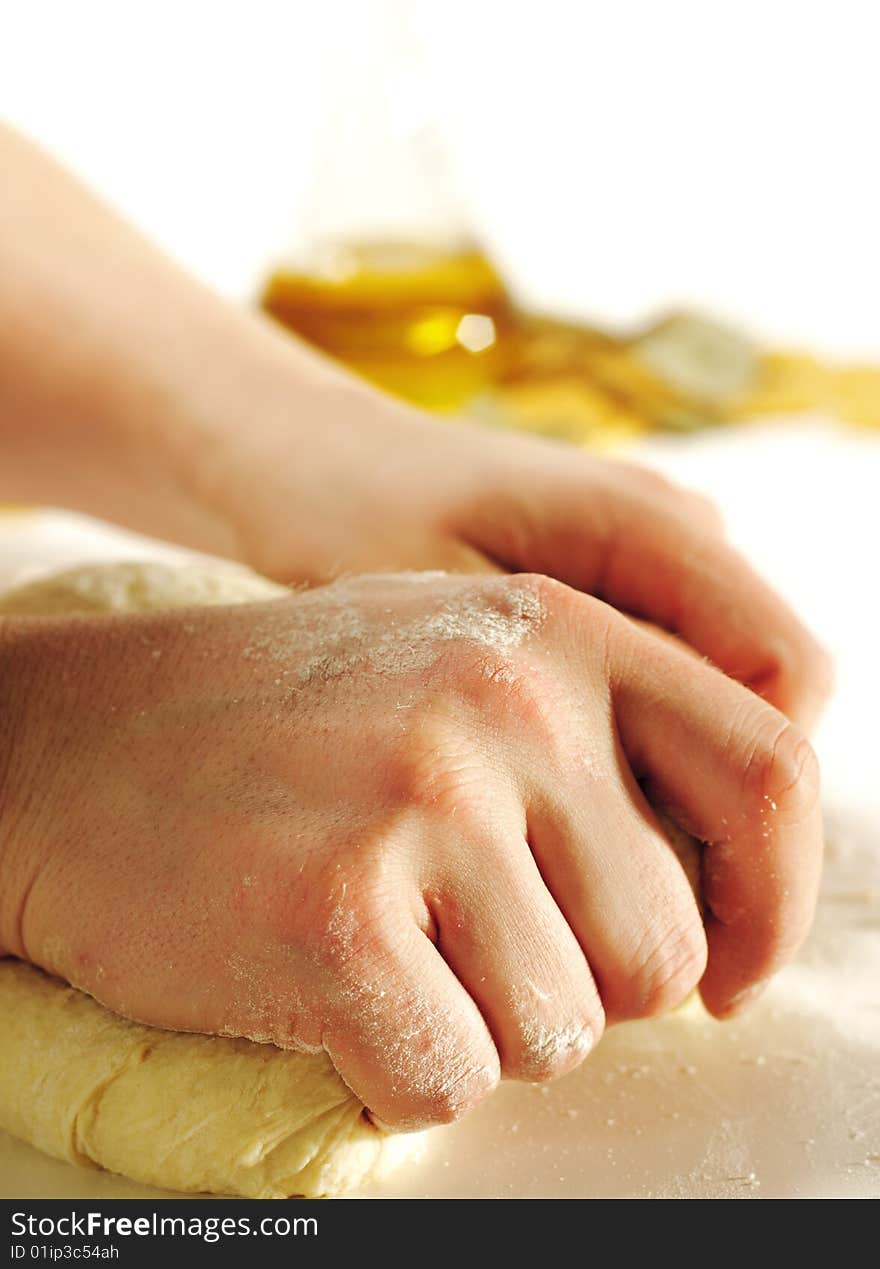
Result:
[[385, 274]]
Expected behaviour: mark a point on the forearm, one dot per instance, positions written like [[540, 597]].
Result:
[[124, 384]]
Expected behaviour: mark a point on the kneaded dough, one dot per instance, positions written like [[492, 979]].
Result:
[[133, 586], [179, 1111]]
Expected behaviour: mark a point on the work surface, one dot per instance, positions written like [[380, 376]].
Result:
[[784, 1102]]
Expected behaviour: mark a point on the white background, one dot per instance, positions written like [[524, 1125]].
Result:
[[616, 156]]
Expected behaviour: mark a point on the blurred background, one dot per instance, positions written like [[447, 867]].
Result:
[[617, 158], [648, 227]]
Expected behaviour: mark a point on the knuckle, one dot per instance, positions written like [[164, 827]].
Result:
[[522, 698], [666, 968], [347, 937], [568, 618], [458, 1088], [346, 923], [554, 598], [543, 604], [547, 589], [545, 1051], [781, 772], [434, 767], [531, 596]]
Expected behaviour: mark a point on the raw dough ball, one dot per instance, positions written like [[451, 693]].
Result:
[[136, 587], [183, 1112], [179, 1111]]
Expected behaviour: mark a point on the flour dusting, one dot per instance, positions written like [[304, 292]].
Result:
[[334, 637]]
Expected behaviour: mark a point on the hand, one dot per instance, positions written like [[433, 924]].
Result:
[[387, 488], [399, 818]]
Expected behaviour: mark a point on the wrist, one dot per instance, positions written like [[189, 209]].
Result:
[[240, 428], [291, 464]]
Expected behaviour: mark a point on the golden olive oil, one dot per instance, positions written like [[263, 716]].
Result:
[[439, 328]]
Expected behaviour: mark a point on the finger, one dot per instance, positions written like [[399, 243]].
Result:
[[642, 554], [742, 779], [510, 946], [622, 888], [700, 588], [679, 499], [406, 1037]]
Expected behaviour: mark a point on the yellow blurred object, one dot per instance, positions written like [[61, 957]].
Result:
[[433, 327], [796, 382], [439, 328]]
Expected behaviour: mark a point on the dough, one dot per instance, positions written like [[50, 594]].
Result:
[[179, 1111], [183, 1112], [137, 587]]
